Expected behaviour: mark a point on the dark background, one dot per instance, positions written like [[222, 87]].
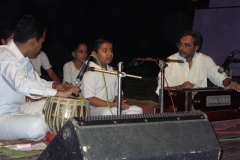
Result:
[[220, 28], [139, 28]]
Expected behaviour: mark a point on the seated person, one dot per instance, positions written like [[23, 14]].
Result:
[[41, 60], [18, 119], [72, 68], [197, 67], [101, 89], [6, 35]]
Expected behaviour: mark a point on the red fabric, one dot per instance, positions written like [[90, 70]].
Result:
[[49, 136]]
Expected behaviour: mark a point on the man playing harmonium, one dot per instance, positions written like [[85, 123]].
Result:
[[195, 70]]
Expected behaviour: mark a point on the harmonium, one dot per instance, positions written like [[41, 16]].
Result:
[[215, 101]]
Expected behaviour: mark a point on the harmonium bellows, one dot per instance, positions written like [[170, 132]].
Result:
[[204, 99]]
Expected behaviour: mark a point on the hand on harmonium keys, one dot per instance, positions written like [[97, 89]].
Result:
[[233, 85], [187, 84]]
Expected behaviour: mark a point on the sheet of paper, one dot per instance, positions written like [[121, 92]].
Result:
[[37, 146]]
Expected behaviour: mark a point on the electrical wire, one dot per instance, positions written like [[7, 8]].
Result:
[[229, 139], [227, 132], [104, 83]]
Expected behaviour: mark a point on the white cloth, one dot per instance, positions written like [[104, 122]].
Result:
[[26, 123], [41, 61], [93, 85], [70, 72], [203, 67], [17, 80], [103, 111]]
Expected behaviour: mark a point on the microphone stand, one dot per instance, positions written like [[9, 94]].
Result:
[[120, 66], [162, 66], [120, 76]]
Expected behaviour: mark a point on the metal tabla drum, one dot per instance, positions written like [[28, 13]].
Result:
[[58, 110]]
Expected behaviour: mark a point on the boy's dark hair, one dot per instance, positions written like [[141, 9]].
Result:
[[197, 37], [76, 45], [6, 33], [97, 41], [28, 27]]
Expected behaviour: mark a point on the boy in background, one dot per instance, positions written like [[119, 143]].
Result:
[[6, 34], [72, 68], [41, 60]]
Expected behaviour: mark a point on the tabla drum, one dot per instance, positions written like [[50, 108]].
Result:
[[58, 110]]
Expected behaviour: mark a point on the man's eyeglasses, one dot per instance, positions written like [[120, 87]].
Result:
[[185, 45]]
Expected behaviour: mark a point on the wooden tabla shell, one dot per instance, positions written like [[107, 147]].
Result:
[[58, 110]]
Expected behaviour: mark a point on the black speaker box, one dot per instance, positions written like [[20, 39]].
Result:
[[180, 135]]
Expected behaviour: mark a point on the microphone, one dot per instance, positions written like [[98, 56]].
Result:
[[133, 63], [220, 69], [83, 69], [174, 60], [226, 63], [157, 59]]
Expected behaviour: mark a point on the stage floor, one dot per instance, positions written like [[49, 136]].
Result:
[[227, 132]]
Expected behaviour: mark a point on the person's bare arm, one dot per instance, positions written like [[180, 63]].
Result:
[[229, 84], [63, 90], [67, 92], [186, 84], [94, 101], [226, 82], [125, 105], [53, 75]]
